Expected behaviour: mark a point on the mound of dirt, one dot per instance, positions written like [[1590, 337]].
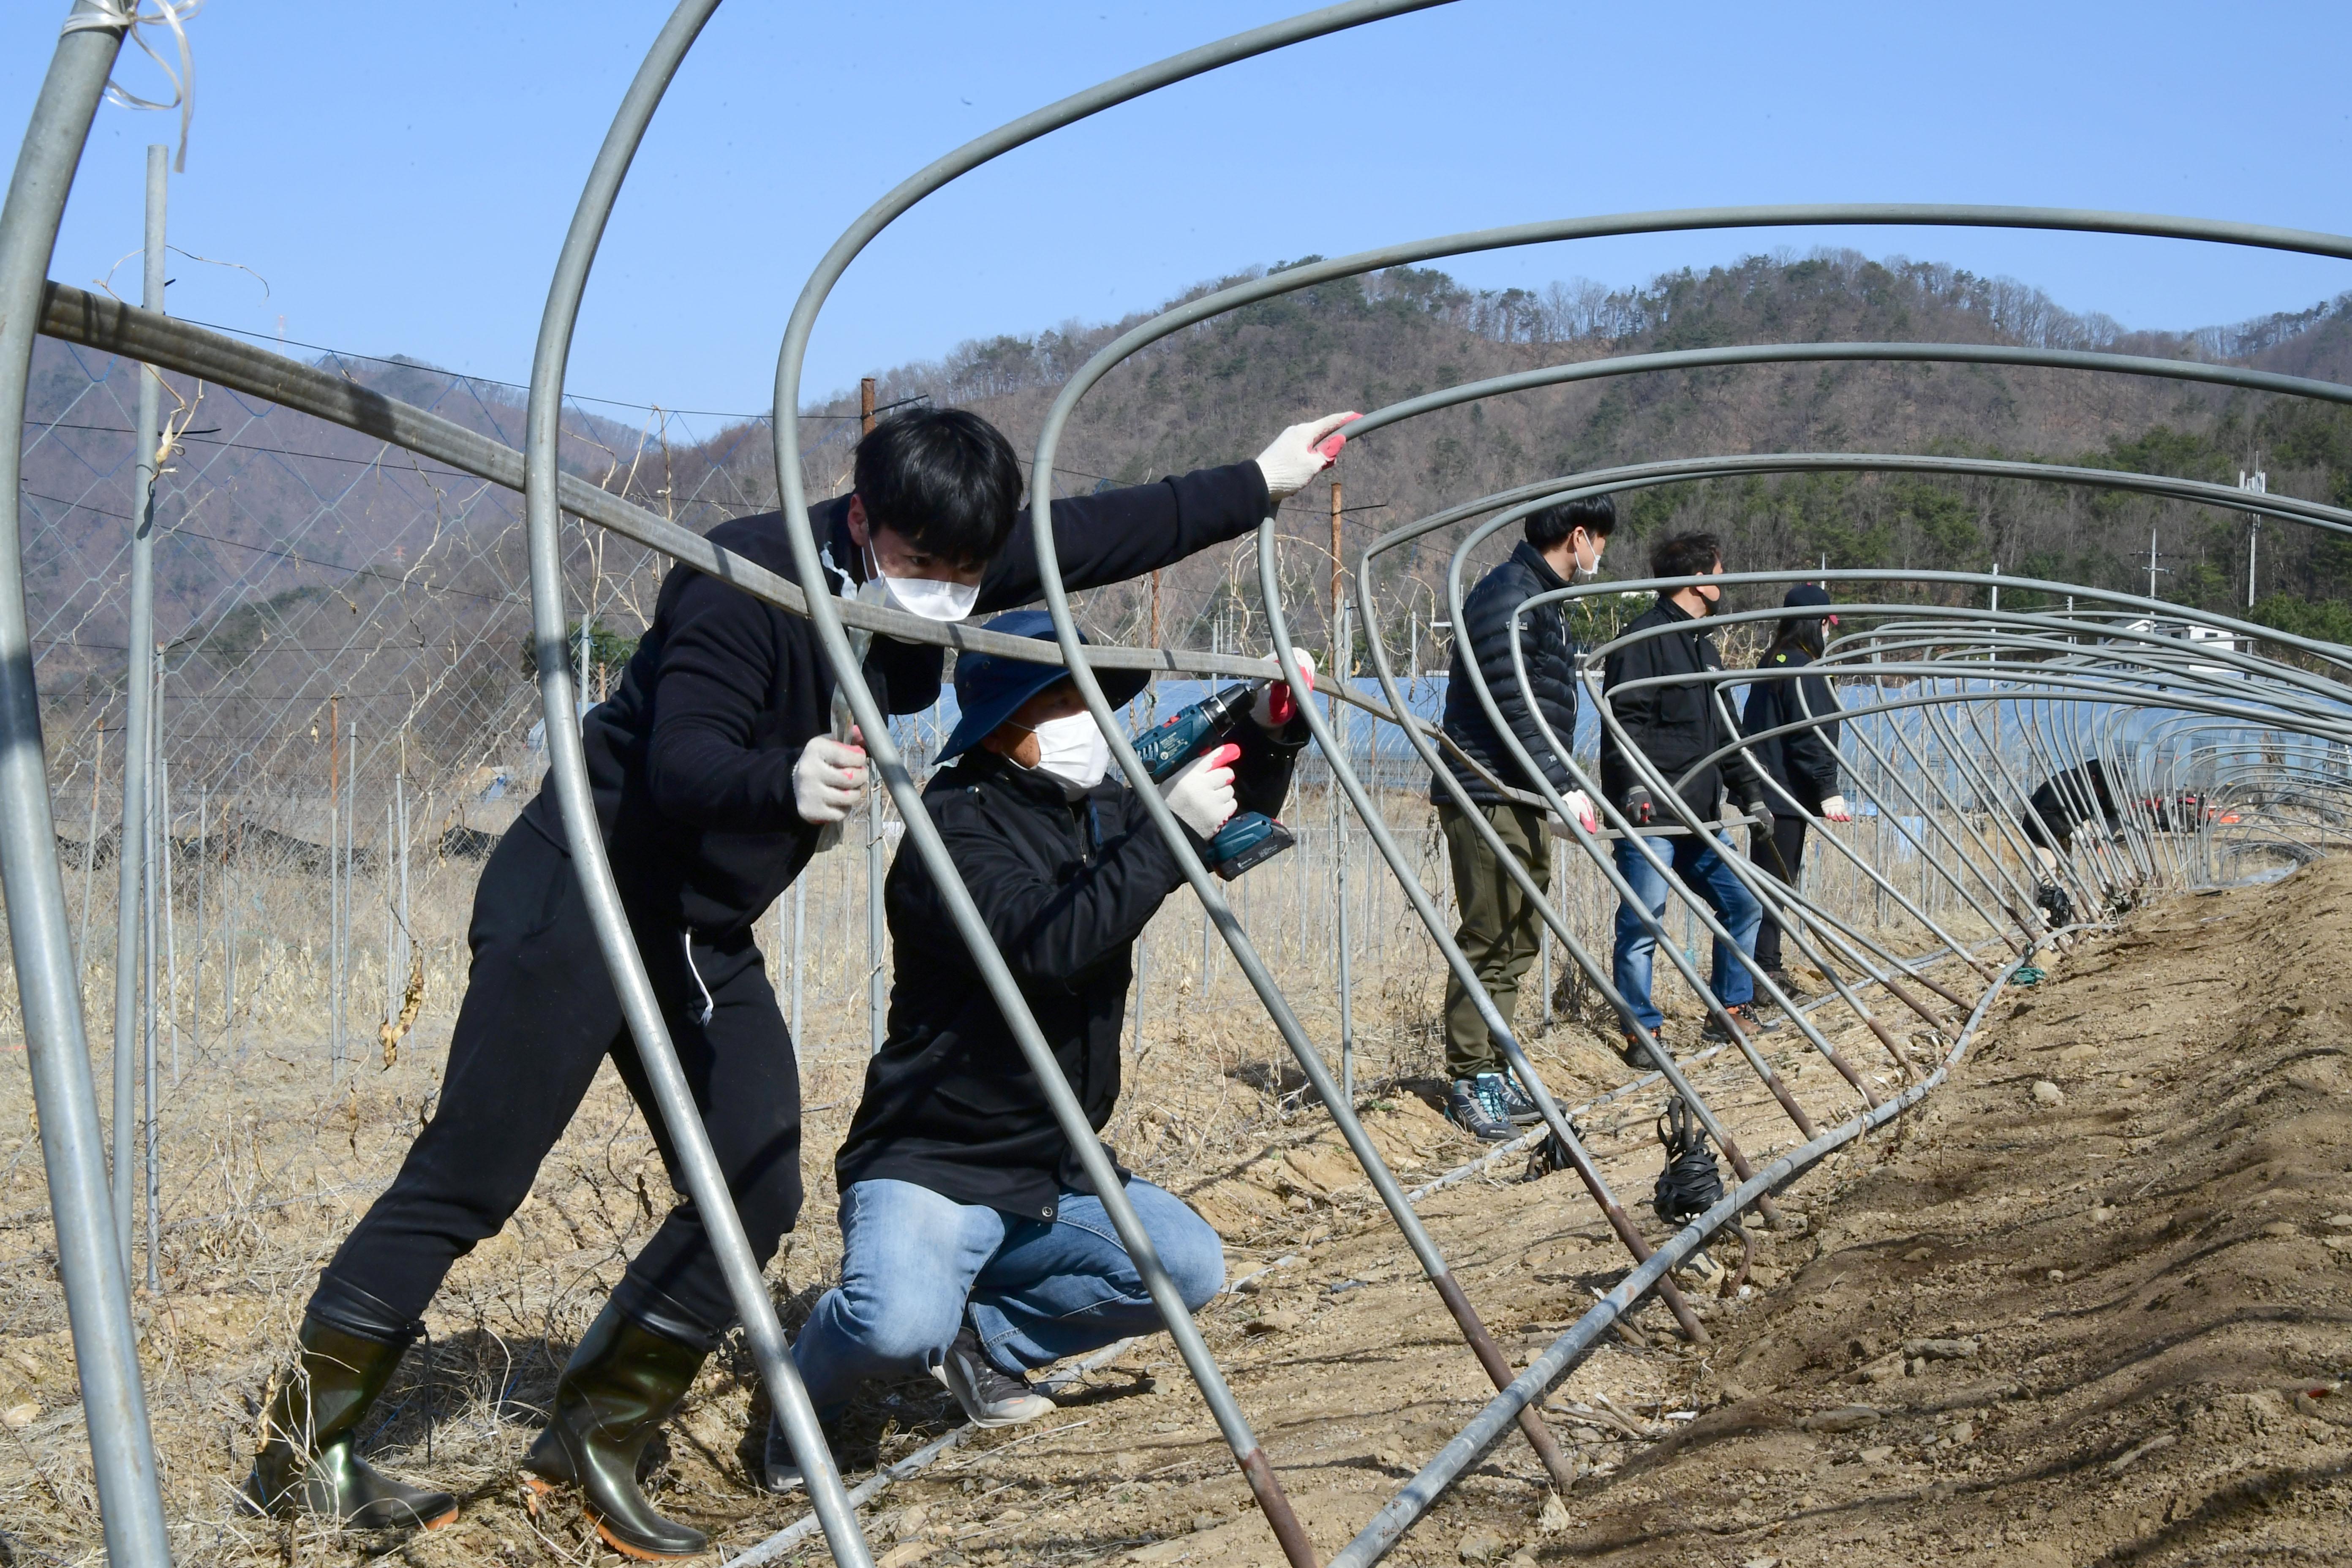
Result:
[[2096, 1307]]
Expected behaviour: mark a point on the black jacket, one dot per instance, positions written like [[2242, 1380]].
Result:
[[691, 760], [1673, 725], [1806, 760], [2065, 801], [1485, 635], [1065, 886]]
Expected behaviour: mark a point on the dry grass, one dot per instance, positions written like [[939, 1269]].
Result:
[[266, 1160]]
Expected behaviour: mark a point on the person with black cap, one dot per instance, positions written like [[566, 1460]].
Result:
[[974, 1247], [1803, 762], [1657, 689], [714, 771]]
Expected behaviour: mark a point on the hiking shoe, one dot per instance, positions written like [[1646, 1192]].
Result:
[[1468, 1109], [781, 1468], [990, 1396], [1502, 1096], [1634, 1053], [1749, 1024], [1789, 985]]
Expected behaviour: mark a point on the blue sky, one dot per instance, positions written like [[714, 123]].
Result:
[[401, 175]]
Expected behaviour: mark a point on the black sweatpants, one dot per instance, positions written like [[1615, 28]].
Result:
[[539, 1017], [1788, 837]]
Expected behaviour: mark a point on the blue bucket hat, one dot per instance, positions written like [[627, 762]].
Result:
[[990, 687]]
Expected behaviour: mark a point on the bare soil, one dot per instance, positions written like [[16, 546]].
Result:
[[2153, 1401]]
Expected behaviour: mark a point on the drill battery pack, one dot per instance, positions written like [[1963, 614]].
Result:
[[1250, 839]]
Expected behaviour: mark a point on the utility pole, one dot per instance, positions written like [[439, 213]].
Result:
[[2256, 483], [2154, 570], [866, 405]]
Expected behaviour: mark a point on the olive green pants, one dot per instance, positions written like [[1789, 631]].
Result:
[[1501, 930]]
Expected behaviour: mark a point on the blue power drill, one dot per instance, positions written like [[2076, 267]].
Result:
[[1249, 837]]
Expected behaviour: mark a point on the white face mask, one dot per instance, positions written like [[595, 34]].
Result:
[[1073, 750], [1582, 573], [932, 598]]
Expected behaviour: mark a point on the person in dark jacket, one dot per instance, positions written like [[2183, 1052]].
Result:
[[1804, 762], [1674, 724], [2061, 807], [974, 1244], [1501, 929], [713, 772], [2066, 802]]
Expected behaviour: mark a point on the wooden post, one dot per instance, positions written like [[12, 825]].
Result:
[[866, 405], [1339, 659]]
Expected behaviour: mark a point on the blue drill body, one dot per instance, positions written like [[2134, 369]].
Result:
[[1250, 837]]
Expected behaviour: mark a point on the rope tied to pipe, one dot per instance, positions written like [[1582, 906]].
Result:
[[1692, 1182], [125, 16]]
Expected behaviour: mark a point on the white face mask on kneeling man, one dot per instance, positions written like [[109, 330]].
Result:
[[1073, 750]]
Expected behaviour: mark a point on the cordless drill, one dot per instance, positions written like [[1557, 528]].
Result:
[[1248, 837]]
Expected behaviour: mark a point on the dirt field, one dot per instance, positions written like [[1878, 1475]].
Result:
[[2132, 1405]]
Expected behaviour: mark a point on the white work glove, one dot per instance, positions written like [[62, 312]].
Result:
[[1276, 705], [1201, 793], [1835, 809], [1582, 804], [1301, 453], [827, 780]]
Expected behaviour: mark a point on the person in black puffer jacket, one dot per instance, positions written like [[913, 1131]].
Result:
[[1802, 761], [1501, 930]]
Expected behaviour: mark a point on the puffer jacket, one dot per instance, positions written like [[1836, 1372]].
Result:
[[1485, 635]]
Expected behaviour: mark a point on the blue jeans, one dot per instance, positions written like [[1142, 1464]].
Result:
[[915, 1265], [1698, 865]]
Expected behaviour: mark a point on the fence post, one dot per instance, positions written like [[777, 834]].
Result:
[[73, 1147], [351, 815], [800, 948], [147, 967], [90, 852], [877, 933], [196, 961], [335, 885], [137, 748]]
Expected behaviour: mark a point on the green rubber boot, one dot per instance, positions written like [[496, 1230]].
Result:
[[306, 1460], [621, 1384]]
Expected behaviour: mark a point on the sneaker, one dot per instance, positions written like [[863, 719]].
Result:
[[1789, 986], [781, 1468], [1467, 1110], [1749, 1024], [1501, 1094], [1635, 1054], [990, 1397]]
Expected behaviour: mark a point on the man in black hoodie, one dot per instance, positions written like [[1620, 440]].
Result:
[[713, 772], [1501, 930], [974, 1244], [1674, 724]]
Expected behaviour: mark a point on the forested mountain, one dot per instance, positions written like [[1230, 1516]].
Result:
[[1215, 392]]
